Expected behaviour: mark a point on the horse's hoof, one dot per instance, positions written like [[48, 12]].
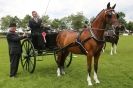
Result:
[[63, 73], [58, 75], [89, 84], [97, 82]]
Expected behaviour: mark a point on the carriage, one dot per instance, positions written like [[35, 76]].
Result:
[[29, 53]]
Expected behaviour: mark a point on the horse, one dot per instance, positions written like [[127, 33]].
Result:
[[112, 36], [91, 42]]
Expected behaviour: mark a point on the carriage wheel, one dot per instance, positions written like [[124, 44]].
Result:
[[67, 61], [28, 58]]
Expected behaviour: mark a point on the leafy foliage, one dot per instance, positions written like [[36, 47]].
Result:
[[55, 23], [130, 25], [24, 22], [45, 20], [5, 21], [78, 20], [122, 18]]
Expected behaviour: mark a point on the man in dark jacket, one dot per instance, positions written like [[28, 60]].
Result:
[[15, 50], [35, 25]]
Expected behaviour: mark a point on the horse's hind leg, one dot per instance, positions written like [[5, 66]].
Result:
[[64, 55], [89, 61], [96, 58], [61, 59], [58, 63], [103, 49]]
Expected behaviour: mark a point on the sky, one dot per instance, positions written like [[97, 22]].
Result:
[[62, 8]]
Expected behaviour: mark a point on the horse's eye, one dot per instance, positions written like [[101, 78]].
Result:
[[109, 15], [117, 15]]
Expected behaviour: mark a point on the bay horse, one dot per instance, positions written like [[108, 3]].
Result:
[[112, 36], [91, 42]]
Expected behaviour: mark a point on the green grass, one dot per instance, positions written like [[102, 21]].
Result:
[[114, 71]]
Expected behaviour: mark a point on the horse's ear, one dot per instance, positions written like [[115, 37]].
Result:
[[113, 6], [117, 16], [108, 5]]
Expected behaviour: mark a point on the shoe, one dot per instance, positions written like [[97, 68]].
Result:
[[12, 77], [40, 52]]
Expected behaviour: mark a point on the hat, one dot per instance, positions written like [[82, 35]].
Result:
[[12, 25]]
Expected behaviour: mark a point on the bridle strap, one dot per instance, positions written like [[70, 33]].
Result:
[[94, 36], [109, 10]]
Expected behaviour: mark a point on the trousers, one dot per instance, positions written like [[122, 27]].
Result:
[[14, 63]]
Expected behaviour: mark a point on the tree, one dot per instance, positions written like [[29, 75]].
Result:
[[17, 21], [130, 26], [55, 23], [63, 22], [78, 20], [122, 18], [5, 21], [25, 20], [46, 20]]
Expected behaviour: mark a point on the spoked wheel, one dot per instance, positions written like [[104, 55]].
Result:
[[67, 61], [28, 58]]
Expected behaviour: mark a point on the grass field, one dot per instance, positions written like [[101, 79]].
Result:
[[114, 71]]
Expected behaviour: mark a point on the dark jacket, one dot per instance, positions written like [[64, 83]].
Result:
[[14, 43], [35, 26]]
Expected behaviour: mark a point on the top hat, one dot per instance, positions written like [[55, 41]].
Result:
[[12, 25]]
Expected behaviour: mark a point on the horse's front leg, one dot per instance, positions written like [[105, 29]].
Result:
[[89, 61], [112, 49], [96, 58], [115, 49]]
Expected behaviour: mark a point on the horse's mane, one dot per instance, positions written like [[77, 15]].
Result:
[[97, 16]]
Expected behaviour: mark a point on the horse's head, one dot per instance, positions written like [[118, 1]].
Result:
[[111, 17], [107, 17], [120, 29]]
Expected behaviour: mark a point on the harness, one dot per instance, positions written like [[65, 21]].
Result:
[[80, 43]]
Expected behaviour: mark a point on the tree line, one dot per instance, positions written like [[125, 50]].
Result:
[[75, 21]]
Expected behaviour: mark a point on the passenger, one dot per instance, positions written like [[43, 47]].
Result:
[[35, 25]]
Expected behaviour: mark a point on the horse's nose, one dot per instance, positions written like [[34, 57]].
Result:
[[114, 26], [120, 26]]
